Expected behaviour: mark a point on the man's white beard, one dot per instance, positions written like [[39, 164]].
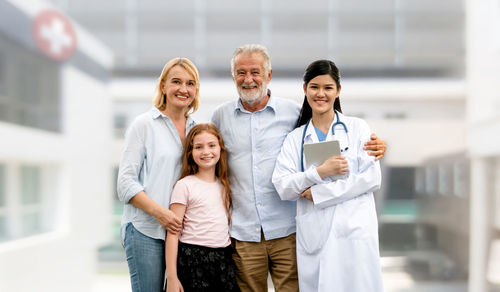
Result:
[[250, 98]]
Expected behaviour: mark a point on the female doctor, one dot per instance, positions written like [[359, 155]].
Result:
[[337, 232]]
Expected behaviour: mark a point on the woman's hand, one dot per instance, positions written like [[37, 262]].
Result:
[[174, 285], [333, 166], [164, 216], [307, 194], [376, 147], [171, 222]]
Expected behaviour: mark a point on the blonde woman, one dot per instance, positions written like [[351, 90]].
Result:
[[149, 167]]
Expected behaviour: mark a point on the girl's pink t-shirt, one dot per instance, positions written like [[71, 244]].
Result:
[[205, 219]]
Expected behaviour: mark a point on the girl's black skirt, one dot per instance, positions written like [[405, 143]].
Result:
[[202, 268]]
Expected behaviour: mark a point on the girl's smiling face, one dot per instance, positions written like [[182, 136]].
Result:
[[206, 150]]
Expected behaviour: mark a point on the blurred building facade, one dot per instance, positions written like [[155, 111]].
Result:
[[55, 128], [421, 76], [395, 38], [483, 142]]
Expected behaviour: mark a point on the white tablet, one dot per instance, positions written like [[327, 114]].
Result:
[[316, 153]]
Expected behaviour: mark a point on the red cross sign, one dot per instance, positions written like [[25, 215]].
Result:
[[54, 35]]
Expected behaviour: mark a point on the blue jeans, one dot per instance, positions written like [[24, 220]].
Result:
[[146, 260]]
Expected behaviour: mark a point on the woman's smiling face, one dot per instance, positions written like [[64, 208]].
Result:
[[321, 93], [179, 87]]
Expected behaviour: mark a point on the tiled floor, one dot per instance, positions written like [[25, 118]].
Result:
[[395, 276]]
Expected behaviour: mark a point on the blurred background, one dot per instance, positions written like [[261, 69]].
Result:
[[424, 75]]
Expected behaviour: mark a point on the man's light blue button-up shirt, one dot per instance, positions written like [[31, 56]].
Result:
[[253, 141], [151, 162]]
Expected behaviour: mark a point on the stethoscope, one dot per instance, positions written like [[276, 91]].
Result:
[[338, 122]]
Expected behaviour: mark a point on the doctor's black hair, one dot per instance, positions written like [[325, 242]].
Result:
[[317, 68]]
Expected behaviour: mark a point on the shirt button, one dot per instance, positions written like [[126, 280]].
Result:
[[257, 229], [259, 205]]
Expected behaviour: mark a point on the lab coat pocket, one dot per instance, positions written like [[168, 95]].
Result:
[[312, 230], [356, 218]]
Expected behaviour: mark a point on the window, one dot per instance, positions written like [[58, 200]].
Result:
[[25, 193], [30, 205], [461, 178], [120, 125], [444, 185], [430, 180], [401, 184], [30, 185], [420, 181], [29, 94]]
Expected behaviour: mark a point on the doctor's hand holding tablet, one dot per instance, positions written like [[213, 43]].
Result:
[[334, 165], [326, 156]]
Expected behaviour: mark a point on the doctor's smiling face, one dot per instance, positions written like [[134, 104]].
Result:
[[321, 92]]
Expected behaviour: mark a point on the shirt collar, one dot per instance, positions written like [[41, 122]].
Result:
[[271, 103], [189, 123], [311, 136], [156, 113], [310, 130]]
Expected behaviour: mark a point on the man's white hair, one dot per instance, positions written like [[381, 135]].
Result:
[[249, 49]]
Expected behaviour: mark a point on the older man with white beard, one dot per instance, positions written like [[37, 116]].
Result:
[[254, 127]]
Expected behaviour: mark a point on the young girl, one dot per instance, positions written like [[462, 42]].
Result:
[[337, 237], [199, 258]]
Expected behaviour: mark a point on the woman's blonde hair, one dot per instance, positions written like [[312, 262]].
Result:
[[160, 100]]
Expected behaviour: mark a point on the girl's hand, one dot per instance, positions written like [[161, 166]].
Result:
[[171, 222], [307, 194], [333, 166], [376, 147], [174, 285]]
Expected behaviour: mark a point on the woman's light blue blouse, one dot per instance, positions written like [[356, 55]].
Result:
[[151, 162]]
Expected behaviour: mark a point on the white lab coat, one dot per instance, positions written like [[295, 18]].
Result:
[[337, 235]]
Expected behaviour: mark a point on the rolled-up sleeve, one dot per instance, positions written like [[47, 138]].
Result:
[[131, 163]]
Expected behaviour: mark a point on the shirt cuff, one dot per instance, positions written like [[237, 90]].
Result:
[[313, 176], [132, 191], [317, 198]]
